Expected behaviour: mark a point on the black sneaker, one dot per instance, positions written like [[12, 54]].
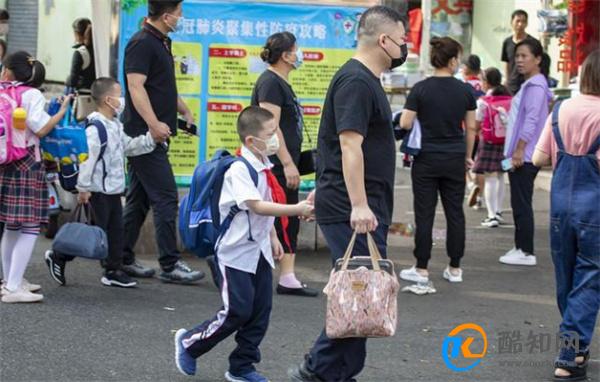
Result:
[[181, 274], [137, 270], [118, 278], [56, 267]]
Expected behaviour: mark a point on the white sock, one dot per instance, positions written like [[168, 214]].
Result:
[[9, 240], [22, 253], [491, 198], [500, 194]]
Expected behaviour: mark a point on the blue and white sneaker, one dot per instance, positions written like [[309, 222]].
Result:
[[186, 364], [252, 376]]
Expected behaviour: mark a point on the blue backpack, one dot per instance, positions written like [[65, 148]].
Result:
[[199, 218], [70, 172]]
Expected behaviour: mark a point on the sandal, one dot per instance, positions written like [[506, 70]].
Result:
[[578, 372]]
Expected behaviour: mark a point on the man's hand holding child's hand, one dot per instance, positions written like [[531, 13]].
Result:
[[306, 209]]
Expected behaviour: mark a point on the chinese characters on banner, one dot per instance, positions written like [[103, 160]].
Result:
[[217, 62]]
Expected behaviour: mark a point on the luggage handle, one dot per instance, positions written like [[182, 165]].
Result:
[[374, 253]]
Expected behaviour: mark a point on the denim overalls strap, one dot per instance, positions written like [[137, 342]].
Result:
[[595, 146], [555, 130]]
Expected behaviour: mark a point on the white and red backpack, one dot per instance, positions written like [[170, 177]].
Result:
[[13, 142], [495, 118]]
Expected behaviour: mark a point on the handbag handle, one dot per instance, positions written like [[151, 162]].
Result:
[[374, 254], [83, 213]]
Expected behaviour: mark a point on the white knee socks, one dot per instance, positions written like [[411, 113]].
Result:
[[9, 240], [17, 259], [494, 193]]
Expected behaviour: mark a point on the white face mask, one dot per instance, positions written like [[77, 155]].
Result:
[[178, 25], [272, 146], [119, 109]]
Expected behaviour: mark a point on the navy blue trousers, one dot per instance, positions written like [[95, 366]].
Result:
[[339, 360], [247, 301]]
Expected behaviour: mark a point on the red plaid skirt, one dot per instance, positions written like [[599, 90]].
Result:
[[489, 158], [23, 191]]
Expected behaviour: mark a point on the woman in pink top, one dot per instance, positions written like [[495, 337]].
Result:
[[571, 142]]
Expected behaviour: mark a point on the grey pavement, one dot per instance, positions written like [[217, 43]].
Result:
[[87, 332]]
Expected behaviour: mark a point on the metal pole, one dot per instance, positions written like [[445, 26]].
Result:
[[425, 37]]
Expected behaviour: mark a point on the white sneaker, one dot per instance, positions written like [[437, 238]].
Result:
[[452, 277], [500, 218], [29, 286], [20, 295], [24, 285], [411, 274], [518, 257], [490, 223]]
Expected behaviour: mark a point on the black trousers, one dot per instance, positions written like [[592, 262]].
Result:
[[442, 173], [340, 360], [247, 302], [521, 198], [108, 215], [152, 184]]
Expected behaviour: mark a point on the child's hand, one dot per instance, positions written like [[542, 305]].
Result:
[[65, 101], [277, 248], [306, 209], [84, 197]]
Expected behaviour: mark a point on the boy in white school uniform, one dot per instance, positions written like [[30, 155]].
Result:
[[244, 253]]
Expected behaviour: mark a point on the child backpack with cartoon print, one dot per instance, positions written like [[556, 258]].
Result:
[[13, 141]]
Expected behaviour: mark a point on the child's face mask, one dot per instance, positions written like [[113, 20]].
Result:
[[271, 146], [119, 108]]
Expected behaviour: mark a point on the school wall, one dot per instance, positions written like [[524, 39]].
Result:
[[55, 34], [491, 25]]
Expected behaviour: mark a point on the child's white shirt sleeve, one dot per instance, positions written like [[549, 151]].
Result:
[[240, 185], [140, 145], [34, 103], [86, 169]]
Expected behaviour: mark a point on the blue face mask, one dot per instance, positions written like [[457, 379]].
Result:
[[299, 59]]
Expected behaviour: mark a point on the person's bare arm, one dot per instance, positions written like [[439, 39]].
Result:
[[471, 128], [160, 131], [292, 175], [362, 219], [185, 111], [264, 208], [407, 119], [55, 119], [541, 159], [506, 73]]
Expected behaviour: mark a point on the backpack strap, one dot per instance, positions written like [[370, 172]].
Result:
[[234, 210], [103, 135], [85, 56], [555, 130]]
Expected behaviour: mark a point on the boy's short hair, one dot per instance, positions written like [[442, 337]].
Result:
[[102, 86], [251, 121]]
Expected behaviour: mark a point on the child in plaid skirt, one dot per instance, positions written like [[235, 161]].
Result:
[[23, 188], [490, 155]]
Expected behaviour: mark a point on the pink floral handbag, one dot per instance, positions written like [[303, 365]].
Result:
[[362, 295]]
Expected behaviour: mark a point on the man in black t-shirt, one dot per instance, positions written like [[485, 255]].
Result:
[[355, 171], [152, 105], [512, 78]]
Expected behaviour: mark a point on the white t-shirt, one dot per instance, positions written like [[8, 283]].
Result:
[[34, 103], [234, 249]]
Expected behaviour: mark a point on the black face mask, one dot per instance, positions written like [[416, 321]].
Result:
[[396, 62]]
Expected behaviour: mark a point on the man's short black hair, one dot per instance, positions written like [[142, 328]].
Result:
[[101, 87], [252, 120], [377, 20], [519, 12], [4, 16], [157, 8]]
